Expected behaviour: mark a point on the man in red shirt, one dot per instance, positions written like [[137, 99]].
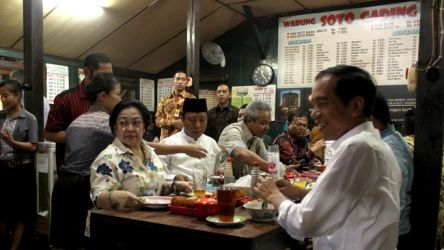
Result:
[[72, 103]]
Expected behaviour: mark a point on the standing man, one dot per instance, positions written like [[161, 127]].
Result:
[[382, 121], [169, 108], [243, 140], [73, 102], [194, 119], [221, 115], [355, 202]]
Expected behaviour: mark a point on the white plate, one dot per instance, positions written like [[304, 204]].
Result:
[[236, 220], [156, 201]]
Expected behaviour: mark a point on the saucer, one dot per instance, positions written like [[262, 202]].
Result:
[[236, 221]]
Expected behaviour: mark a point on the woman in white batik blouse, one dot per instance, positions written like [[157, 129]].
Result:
[[129, 168]]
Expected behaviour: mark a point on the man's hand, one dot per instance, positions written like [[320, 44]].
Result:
[[184, 186], [195, 151], [291, 191], [181, 177], [269, 191], [319, 145]]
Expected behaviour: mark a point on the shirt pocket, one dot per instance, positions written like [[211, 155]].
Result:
[[21, 134]]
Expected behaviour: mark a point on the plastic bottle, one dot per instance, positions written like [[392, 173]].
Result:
[[273, 162], [254, 179], [228, 171]]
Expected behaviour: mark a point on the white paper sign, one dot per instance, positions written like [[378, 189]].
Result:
[[57, 80], [146, 91], [42, 163], [164, 88]]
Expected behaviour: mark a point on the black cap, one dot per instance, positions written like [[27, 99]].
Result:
[[194, 105]]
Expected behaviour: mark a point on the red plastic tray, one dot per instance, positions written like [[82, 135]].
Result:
[[183, 210]]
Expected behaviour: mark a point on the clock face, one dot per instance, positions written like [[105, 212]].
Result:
[[262, 74]]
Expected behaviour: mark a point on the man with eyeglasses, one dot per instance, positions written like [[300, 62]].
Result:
[[293, 144], [170, 107]]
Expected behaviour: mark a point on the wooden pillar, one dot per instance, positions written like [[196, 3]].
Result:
[[193, 44], [33, 59], [428, 135]]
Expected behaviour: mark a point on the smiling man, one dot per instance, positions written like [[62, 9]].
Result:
[[355, 202], [243, 140]]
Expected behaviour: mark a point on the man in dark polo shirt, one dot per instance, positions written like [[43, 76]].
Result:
[[72, 103], [221, 115]]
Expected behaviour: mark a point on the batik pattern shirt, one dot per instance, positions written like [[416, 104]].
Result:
[[167, 111], [116, 168], [293, 150]]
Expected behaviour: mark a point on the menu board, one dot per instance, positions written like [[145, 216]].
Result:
[[164, 87], [210, 96], [146, 87], [382, 40], [245, 94], [57, 80]]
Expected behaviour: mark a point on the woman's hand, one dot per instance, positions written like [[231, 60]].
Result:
[[125, 199], [6, 136]]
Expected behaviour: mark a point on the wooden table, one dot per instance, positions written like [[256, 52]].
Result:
[[117, 229]]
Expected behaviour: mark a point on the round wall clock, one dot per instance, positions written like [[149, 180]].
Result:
[[262, 74]]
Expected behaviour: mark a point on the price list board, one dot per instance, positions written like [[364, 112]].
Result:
[[57, 80], [382, 40]]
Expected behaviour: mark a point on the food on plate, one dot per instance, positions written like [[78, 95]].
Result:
[[190, 201], [178, 201]]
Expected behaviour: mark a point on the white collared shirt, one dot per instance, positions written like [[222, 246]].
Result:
[[181, 163], [355, 202]]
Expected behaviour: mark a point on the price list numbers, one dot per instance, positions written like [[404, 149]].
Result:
[[378, 57], [342, 52]]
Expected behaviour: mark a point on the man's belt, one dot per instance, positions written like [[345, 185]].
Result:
[[14, 162]]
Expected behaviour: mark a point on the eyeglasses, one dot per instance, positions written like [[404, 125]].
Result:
[[125, 123]]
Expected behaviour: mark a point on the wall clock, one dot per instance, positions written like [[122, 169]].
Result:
[[262, 74]]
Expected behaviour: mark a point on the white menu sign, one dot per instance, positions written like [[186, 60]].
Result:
[[57, 80], [147, 93], [382, 40]]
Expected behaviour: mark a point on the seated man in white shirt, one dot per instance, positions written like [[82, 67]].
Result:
[[194, 118], [355, 202]]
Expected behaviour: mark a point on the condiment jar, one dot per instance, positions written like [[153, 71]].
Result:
[[206, 206]]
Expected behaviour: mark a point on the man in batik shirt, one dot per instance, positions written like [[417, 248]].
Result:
[[293, 144], [168, 111]]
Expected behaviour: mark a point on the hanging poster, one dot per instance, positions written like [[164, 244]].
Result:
[[245, 94], [210, 96], [164, 87], [381, 39], [57, 80], [146, 90]]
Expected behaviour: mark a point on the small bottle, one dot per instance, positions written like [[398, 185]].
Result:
[[228, 171], [273, 162], [254, 179]]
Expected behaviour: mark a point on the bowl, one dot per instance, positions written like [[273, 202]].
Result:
[[257, 213]]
